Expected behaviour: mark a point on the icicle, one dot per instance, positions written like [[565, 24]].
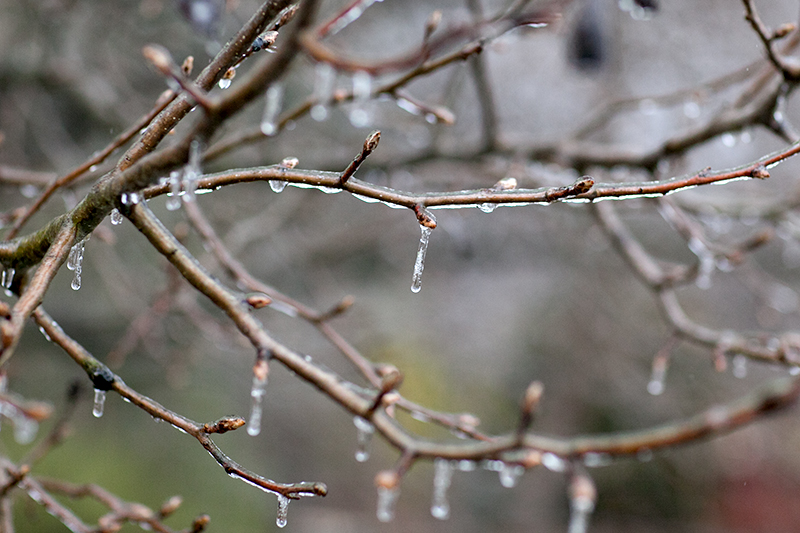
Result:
[[582, 497], [740, 366], [75, 263], [7, 277], [192, 171], [360, 116], [419, 264], [387, 497], [256, 396], [659, 372], [99, 402], [116, 217], [283, 511], [25, 429], [324, 80], [174, 198], [131, 198], [277, 185], [509, 475], [443, 474], [707, 263], [272, 108], [553, 462], [365, 431]]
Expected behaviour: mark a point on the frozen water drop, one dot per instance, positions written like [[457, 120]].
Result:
[[387, 497], [283, 511], [691, 109], [365, 429], [487, 207], [99, 403], [116, 217], [272, 108], [509, 474], [7, 277], [442, 476], [75, 263], [553, 462], [277, 185], [44, 334], [25, 429], [192, 171], [175, 185], [360, 116], [224, 83], [728, 140]]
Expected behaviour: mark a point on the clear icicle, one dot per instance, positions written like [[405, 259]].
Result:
[[740, 366], [277, 185], [583, 496], [99, 402], [192, 171], [419, 264], [387, 497], [7, 277], [443, 474], [116, 217], [364, 436], [360, 116], [509, 475], [75, 263], [175, 185], [256, 396], [707, 263], [272, 108], [658, 375], [324, 80], [283, 511]]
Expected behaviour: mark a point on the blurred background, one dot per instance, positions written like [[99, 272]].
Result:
[[522, 294]]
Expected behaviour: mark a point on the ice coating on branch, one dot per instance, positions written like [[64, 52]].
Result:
[[283, 511], [442, 476], [324, 80], [75, 263], [116, 217], [387, 497], [419, 265], [360, 116], [272, 107], [351, 15], [99, 402], [364, 436], [257, 392]]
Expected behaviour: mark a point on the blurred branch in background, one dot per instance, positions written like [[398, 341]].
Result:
[[580, 310]]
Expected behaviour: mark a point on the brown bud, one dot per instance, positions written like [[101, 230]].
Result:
[[200, 523], [391, 380], [372, 142], [387, 479], [532, 459], [532, 396], [261, 370], [760, 172], [433, 22], [783, 30], [188, 65], [258, 300], [170, 506], [159, 57], [289, 162], [229, 74]]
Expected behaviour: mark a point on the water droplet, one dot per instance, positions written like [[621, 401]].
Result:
[[44, 334], [691, 109], [116, 217], [419, 264], [272, 108], [277, 185], [387, 497], [728, 139], [175, 185], [29, 191], [363, 437], [224, 83], [465, 465], [324, 80], [596, 459], [257, 392], [99, 403], [283, 511], [442, 476], [509, 474], [487, 208]]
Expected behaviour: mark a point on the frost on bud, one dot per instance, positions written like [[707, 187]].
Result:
[[257, 300]]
